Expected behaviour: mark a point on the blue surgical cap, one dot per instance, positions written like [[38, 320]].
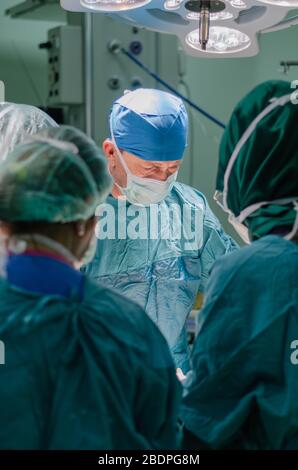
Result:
[[150, 124]]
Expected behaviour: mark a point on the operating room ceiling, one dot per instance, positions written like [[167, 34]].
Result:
[[234, 25]]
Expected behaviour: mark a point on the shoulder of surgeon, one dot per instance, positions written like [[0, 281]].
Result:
[[187, 194], [247, 291], [101, 312], [264, 259]]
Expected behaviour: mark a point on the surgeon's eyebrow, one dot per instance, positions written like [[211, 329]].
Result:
[[161, 165]]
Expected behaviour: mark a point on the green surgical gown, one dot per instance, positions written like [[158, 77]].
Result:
[[245, 387], [89, 374]]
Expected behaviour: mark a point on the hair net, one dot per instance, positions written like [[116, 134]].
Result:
[[60, 176], [17, 121], [266, 168], [150, 124]]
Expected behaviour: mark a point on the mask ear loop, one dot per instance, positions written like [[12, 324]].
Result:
[[282, 101], [120, 156], [254, 207], [18, 244], [294, 231]]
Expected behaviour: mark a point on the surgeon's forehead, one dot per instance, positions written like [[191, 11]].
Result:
[[131, 158], [156, 164]]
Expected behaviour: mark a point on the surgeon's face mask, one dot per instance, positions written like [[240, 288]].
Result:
[[240, 228], [144, 191], [89, 253], [236, 222], [221, 197]]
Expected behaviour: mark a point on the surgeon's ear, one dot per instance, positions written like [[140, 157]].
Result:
[[82, 227], [5, 229], [109, 151]]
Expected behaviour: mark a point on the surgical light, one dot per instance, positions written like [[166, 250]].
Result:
[[172, 4], [221, 40], [281, 3], [238, 4], [113, 5], [251, 18], [222, 15]]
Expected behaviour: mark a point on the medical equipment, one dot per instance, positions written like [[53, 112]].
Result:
[[287, 64], [225, 28], [65, 77]]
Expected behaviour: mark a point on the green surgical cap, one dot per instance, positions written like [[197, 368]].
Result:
[[58, 176], [266, 168]]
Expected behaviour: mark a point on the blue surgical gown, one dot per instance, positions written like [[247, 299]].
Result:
[[163, 275], [245, 386], [84, 367]]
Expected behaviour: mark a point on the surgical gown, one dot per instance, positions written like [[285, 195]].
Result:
[[244, 394], [163, 275], [84, 368]]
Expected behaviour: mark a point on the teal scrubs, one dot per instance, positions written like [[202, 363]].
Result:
[[163, 274], [245, 386], [84, 367]]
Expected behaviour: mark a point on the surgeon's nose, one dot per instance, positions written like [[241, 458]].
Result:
[[163, 174]]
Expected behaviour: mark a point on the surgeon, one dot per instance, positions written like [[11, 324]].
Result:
[[17, 121], [244, 391], [163, 263], [84, 368]]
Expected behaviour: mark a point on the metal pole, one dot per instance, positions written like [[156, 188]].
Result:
[[88, 72]]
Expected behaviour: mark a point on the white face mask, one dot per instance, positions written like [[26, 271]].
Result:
[[89, 253], [144, 191], [221, 198], [240, 228]]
